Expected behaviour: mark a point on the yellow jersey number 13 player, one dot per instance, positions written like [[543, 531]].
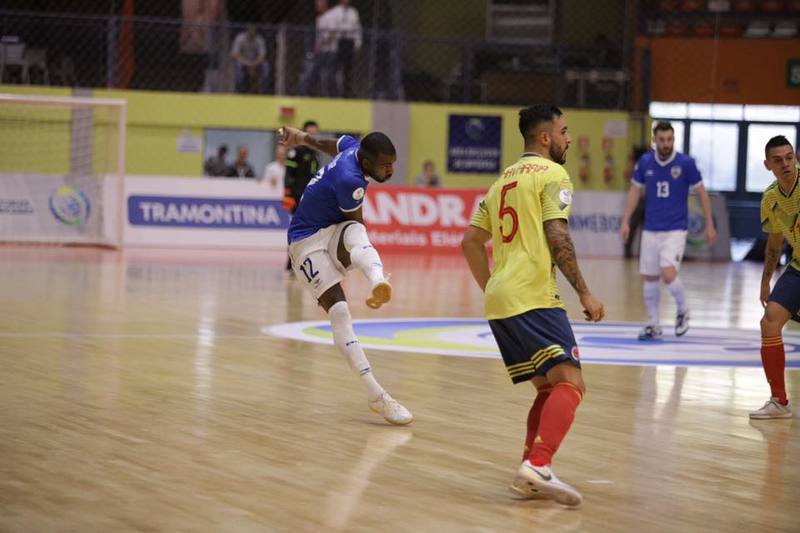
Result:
[[525, 214], [780, 218]]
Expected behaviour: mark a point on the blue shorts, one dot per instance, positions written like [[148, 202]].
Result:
[[787, 292], [534, 342]]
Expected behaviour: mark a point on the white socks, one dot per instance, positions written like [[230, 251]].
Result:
[[362, 254], [346, 341], [676, 290], [652, 297]]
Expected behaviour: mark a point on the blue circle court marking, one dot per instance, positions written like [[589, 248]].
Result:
[[612, 343]]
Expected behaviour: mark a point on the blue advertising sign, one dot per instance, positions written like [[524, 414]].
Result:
[[473, 144], [211, 213]]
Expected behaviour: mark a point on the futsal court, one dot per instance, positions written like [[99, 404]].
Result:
[[145, 389]]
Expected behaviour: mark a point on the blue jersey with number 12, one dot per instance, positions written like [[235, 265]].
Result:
[[337, 188], [667, 185]]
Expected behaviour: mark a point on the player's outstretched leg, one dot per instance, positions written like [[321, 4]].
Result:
[[347, 343], [365, 257]]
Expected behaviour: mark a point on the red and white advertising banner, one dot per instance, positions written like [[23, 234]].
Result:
[[430, 220]]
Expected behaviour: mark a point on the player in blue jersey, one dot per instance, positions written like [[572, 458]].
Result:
[[327, 238], [665, 177]]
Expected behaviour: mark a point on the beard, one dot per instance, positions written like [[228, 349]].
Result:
[[558, 155], [665, 153]]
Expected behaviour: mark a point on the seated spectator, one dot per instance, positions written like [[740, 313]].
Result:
[[216, 165], [249, 53], [428, 177], [241, 168]]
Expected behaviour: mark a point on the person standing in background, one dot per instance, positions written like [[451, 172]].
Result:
[[345, 26], [315, 80], [665, 177], [302, 164], [275, 171]]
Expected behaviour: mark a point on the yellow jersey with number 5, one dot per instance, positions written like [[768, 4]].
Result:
[[529, 193]]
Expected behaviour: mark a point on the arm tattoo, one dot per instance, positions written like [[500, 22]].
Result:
[[771, 256], [563, 252]]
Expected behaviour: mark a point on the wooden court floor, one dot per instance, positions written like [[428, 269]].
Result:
[[139, 394]]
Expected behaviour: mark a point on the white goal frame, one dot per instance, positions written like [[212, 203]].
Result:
[[83, 102]]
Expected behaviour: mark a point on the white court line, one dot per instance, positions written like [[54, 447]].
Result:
[[58, 334]]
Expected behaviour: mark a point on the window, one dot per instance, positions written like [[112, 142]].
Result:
[[772, 113], [758, 177], [715, 148], [716, 111], [668, 110]]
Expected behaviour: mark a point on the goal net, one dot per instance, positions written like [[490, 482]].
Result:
[[62, 162]]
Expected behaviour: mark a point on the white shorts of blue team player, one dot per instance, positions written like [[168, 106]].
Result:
[[661, 249], [315, 260]]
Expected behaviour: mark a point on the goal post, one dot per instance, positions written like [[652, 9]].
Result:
[[62, 169]]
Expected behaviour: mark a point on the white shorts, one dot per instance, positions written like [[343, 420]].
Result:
[[661, 249], [315, 260]]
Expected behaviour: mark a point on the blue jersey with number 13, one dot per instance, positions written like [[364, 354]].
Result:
[[667, 185]]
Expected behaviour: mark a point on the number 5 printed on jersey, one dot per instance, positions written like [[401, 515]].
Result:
[[505, 211]]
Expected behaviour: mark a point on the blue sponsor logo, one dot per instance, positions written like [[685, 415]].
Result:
[[473, 144], [595, 223], [215, 213], [70, 206]]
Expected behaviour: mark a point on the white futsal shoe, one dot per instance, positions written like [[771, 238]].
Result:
[[391, 410], [651, 333], [523, 490], [682, 323], [542, 480], [380, 293], [772, 409]]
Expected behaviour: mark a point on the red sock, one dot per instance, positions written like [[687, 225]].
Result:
[[773, 358], [557, 416], [542, 393]]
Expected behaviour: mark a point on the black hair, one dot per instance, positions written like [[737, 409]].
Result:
[[778, 140], [308, 123], [531, 117], [223, 149], [663, 125], [376, 144], [639, 151]]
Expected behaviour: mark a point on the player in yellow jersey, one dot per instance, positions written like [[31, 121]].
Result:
[[525, 214], [780, 218]]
